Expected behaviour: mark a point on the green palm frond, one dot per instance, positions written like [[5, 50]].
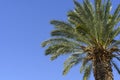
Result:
[[110, 25], [58, 47], [61, 51], [80, 11], [67, 68], [63, 33], [87, 72], [107, 11], [84, 63], [70, 35], [115, 18], [88, 9], [98, 9], [54, 41], [115, 33], [90, 6], [73, 60], [83, 30], [62, 25], [74, 18]]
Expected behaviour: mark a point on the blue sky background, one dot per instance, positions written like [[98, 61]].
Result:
[[24, 24]]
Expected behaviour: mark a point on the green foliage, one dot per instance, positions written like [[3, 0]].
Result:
[[73, 60], [84, 63], [87, 26], [87, 72]]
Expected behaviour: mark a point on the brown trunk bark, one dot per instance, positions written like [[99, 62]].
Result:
[[102, 68]]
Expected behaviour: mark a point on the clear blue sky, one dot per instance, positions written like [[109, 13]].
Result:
[[24, 24]]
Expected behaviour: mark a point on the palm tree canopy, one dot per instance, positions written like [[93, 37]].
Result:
[[89, 28]]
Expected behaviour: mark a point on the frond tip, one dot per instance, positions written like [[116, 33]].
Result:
[[87, 72], [67, 68], [73, 60]]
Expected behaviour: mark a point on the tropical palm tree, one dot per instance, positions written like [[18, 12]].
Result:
[[90, 37]]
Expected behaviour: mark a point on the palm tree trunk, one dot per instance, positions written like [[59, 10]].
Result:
[[102, 68]]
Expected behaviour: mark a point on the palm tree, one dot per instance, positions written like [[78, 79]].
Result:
[[88, 37]]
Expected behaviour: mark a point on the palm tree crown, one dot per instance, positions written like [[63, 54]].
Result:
[[90, 33]]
